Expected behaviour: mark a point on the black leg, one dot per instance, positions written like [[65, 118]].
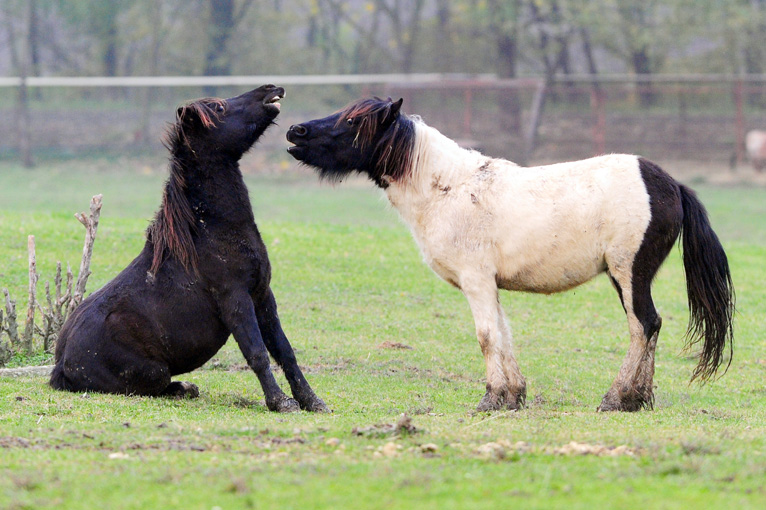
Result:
[[239, 315], [181, 389], [280, 349]]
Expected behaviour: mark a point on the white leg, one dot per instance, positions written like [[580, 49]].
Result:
[[505, 384]]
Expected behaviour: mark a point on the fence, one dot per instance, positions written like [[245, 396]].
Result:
[[697, 117]]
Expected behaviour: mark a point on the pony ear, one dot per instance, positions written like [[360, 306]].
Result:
[[196, 114], [187, 115], [392, 112], [395, 107]]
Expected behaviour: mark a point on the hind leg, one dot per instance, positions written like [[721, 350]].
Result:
[[181, 389], [280, 349], [632, 389], [117, 370]]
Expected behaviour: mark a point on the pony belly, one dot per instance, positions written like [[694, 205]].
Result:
[[550, 276]]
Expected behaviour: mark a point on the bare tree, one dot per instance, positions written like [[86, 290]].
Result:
[[224, 18], [504, 27], [18, 19]]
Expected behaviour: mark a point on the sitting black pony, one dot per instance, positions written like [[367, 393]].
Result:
[[203, 274]]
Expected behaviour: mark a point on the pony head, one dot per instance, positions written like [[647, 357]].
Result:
[[369, 136], [211, 125]]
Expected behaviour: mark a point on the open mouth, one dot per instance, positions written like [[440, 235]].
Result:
[[272, 100], [297, 151]]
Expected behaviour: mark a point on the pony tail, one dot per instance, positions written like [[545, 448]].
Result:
[[709, 288]]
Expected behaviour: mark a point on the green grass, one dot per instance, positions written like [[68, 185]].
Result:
[[348, 278]]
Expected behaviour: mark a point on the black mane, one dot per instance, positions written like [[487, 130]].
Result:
[[393, 151], [171, 231]]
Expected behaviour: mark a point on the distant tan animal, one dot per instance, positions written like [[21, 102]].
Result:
[[755, 145]]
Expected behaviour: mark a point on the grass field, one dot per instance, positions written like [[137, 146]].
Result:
[[351, 288]]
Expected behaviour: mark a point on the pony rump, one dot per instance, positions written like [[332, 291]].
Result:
[[393, 152]]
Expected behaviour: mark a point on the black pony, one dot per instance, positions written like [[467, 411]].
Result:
[[203, 274], [485, 224]]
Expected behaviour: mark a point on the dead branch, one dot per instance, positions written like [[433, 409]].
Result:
[[5, 347], [91, 225], [55, 310], [62, 300], [49, 319], [29, 328], [12, 327]]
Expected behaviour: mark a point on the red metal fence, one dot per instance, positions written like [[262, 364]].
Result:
[[671, 117]]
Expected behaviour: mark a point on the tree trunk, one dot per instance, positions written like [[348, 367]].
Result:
[[154, 62], [109, 57], [220, 28], [503, 27], [535, 117], [23, 64], [443, 58], [587, 49], [643, 68], [509, 100]]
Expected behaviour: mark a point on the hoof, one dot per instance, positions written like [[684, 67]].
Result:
[[316, 405], [628, 400], [284, 405], [181, 389], [493, 401]]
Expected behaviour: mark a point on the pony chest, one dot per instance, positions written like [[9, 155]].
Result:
[[237, 253], [452, 234]]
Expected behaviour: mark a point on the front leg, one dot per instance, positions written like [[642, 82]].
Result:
[[239, 317], [506, 387], [281, 350]]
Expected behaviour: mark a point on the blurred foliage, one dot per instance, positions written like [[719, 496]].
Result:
[[174, 37]]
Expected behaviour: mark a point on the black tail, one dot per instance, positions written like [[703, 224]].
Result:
[[709, 287]]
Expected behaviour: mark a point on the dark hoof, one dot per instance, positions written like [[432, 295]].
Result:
[[494, 401], [315, 405], [284, 405], [181, 389]]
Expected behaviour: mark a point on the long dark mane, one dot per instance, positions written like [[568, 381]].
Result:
[[394, 150], [171, 232]]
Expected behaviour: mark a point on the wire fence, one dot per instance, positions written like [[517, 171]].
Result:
[[694, 117]]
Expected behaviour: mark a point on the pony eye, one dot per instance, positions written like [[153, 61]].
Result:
[[219, 108], [350, 121]]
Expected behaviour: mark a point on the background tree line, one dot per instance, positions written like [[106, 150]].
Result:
[[507, 37]]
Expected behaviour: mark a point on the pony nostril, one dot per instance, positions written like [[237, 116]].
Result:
[[298, 130]]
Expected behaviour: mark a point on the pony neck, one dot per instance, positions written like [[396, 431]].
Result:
[[437, 161], [216, 190]]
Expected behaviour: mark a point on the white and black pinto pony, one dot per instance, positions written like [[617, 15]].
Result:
[[485, 224]]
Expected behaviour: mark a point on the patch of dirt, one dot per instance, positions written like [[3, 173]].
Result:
[[394, 345], [402, 427], [500, 449], [575, 448], [14, 442], [340, 365]]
